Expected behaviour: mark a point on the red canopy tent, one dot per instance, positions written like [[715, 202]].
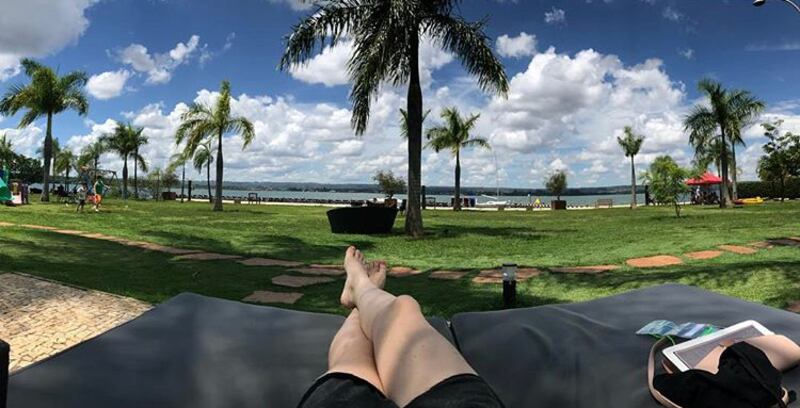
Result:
[[707, 179]]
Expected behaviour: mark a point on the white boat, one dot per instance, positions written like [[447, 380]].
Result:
[[492, 203]]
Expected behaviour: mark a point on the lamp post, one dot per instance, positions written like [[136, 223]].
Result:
[[509, 285], [759, 3]]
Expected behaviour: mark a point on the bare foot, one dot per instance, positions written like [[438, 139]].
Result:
[[376, 271], [356, 273]]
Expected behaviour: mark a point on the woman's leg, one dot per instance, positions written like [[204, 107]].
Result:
[[410, 355], [351, 353]]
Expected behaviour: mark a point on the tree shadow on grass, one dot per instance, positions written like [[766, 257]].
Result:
[[453, 231], [716, 277]]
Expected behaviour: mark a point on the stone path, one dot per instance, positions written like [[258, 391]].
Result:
[[290, 281], [496, 275], [287, 298], [447, 275], [39, 318], [737, 249], [654, 261], [402, 272], [711, 254]]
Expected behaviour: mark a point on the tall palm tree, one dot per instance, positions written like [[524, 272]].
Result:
[[454, 136], [631, 144], [203, 122], [90, 155], [47, 95], [204, 157], [6, 152], [179, 160], [736, 139], [64, 163], [139, 163], [55, 150], [386, 38], [728, 111], [123, 142]]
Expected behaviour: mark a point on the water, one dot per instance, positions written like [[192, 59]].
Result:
[[524, 200]]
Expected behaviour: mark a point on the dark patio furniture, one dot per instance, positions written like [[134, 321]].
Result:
[[362, 220], [199, 352]]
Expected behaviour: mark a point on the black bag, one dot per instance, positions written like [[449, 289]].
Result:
[[746, 379]]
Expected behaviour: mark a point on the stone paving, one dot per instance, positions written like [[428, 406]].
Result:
[[207, 256], [699, 255], [402, 271], [290, 281], [737, 249], [654, 261], [39, 318], [262, 296], [447, 275]]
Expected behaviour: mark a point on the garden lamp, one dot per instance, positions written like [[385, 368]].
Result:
[[509, 285]]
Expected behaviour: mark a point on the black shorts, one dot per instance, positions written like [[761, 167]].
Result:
[[336, 390]]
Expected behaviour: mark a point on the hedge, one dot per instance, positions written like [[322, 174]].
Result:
[[749, 189]]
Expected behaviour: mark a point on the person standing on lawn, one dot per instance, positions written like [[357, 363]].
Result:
[[99, 190], [80, 194]]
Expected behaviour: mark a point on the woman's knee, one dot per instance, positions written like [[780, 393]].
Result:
[[407, 306]]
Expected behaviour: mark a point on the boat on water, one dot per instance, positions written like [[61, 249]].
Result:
[[494, 202]]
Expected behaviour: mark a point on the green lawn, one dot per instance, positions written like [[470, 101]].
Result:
[[467, 240]]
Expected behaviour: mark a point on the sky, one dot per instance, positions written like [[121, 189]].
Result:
[[579, 71]]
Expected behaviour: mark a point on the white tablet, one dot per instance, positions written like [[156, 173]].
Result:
[[688, 354]]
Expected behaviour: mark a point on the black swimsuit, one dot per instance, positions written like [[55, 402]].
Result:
[[336, 390]]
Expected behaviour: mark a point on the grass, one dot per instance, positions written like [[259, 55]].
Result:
[[467, 240]]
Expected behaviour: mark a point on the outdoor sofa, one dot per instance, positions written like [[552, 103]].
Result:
[[200, 352]]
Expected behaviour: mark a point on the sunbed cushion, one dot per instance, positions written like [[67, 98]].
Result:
[[190, 351], [586, 354]]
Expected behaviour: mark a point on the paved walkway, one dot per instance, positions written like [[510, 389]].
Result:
[[39, 318]]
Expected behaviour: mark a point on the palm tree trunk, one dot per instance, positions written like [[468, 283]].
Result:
[[125, 178], [66, 179], [48, 152], [208, 181], [724, 196], [457, 203], [136, 174], [183, 179], [733, 169], [413, 225], [218, 194], [633, 184]]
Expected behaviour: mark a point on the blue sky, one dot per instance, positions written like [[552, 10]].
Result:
[[580, 71]]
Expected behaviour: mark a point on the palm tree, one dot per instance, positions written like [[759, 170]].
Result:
[[202, 122], [56, 149], [631, 144], [736, 139], [90, 155], [139, 163], [179, 159], [204, 157], [404, 122], [6, 152], [454, 136], [386, 39], [47, 95], [728, 111], [64, 163], [124, 142]]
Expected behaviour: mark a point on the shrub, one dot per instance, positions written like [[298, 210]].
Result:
[[388, 183], [557, 183], [667, 181]]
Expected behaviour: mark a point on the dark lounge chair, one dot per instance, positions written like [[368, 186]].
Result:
[[194, 351]]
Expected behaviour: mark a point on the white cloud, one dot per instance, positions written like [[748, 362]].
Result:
[[555, 16], [523, 45], [687, 53], [672, 14], [25, 141], [37, 28], [158, 67], [784, 46], [108, 85]]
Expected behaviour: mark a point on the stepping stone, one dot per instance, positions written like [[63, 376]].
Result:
[[38, 227], [300, 281], [588, 270], [166, 249], [784, 242], [403, 271], [737, 249], [703, 255], [323, 266], [447, 275], [206, 256], [263, 296], [794, 307], [318, 271], [69, 232], [496, 275], [94, 235], [269, 262], [6, 224], [761, 245], [654, 261]]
